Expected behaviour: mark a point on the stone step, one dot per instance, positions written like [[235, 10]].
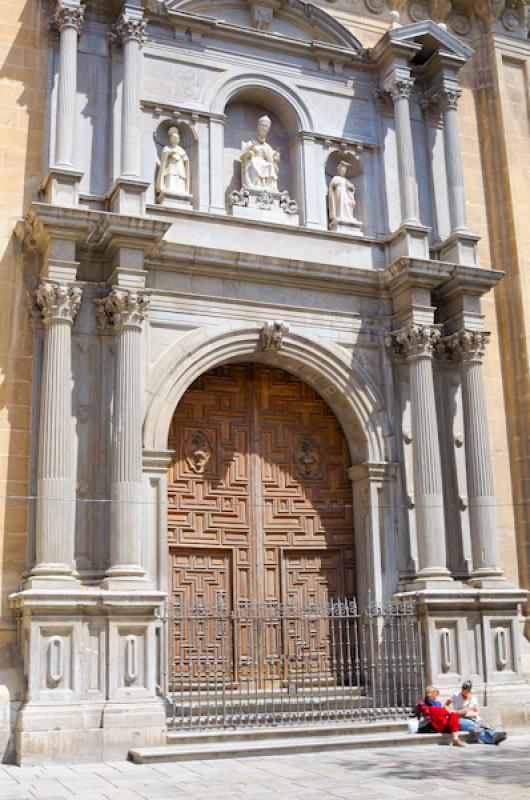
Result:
[[181, 737], [281, 745]]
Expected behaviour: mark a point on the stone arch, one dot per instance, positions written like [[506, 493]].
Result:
[[263, 90], [345, 386]]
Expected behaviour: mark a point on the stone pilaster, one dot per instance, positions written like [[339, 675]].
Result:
[[131, 31], [416, 343], [58, 305], [69, 20], [125, 311], [467, 348], [400, 90]]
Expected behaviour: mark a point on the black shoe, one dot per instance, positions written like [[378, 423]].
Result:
[[498, 737]]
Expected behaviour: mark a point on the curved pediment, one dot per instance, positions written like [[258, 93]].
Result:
[[294, 19]]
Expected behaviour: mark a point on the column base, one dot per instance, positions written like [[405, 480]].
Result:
[[410, 239], [432, 578], [127, 196], [61, 186], [489, 579], [459, 248]]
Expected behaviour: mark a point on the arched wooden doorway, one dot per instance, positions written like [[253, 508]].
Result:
[[260, 503]]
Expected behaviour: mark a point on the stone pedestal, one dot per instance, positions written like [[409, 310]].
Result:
[[169, 199], [474, 634], [127, 196], [90, 659], [264, 206], [351, 227]]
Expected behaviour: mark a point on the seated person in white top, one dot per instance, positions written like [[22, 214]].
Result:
[[466, 706]]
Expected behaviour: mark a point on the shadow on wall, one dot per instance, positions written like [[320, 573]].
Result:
[[23, 78]]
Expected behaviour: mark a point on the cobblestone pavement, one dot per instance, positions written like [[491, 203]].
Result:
[[433, 772]]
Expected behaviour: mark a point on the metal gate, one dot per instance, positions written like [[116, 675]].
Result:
[[274, 664]]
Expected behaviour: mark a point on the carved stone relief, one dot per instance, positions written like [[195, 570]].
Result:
[[272, 335]]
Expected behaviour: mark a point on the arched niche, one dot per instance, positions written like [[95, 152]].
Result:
[[241, 117], [355, 173], [188, 141]]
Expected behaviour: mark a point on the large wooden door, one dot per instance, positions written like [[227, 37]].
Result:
[[260, 504]]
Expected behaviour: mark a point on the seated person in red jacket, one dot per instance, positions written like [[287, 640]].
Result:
[[436, 718]]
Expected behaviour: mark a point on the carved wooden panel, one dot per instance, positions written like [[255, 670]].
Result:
[[260, 504]]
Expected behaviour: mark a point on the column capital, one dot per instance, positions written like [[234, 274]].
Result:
[[464, 346], [448, 97], [69, 16], [129, 27], [400, 87], [413, 341], [58, 302], [122, 309]]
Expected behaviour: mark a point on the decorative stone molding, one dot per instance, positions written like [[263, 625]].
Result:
[[122, 309], [375, 6], [287, 204], [68, 17], [489, 10], [413, 341], [127, 28], [262, 12], [272, 335], [239, 198], [58, 301], [464, 346]]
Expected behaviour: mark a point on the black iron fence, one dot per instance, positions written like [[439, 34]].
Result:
[[273, 664]]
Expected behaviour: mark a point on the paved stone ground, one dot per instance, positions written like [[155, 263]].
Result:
[[432, 772]]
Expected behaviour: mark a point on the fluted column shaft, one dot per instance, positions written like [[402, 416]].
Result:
[[453, 159], [125, 311], [69, 21], [468, 348], [58, 305], [416, 344], [408, 187], [130, 29]]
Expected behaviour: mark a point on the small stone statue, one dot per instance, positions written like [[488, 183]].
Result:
[[174, 171], [260, 163], [341, 202]]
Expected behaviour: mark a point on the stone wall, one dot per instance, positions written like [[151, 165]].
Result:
[[23, 75]]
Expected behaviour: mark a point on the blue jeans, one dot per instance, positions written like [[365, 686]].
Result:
[[485, 735]]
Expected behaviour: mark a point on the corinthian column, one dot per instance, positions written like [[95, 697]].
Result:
[[131, 30], [468, 348], [416, 344], [125, 311], [448, 97], [58, 305], [69, 19], [400, 90]]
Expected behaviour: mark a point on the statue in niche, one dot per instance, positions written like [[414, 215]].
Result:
[[341, 200], [260, 163], [174, 171]]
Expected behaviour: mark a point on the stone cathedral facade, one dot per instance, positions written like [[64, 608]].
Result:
[[274, 254]]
